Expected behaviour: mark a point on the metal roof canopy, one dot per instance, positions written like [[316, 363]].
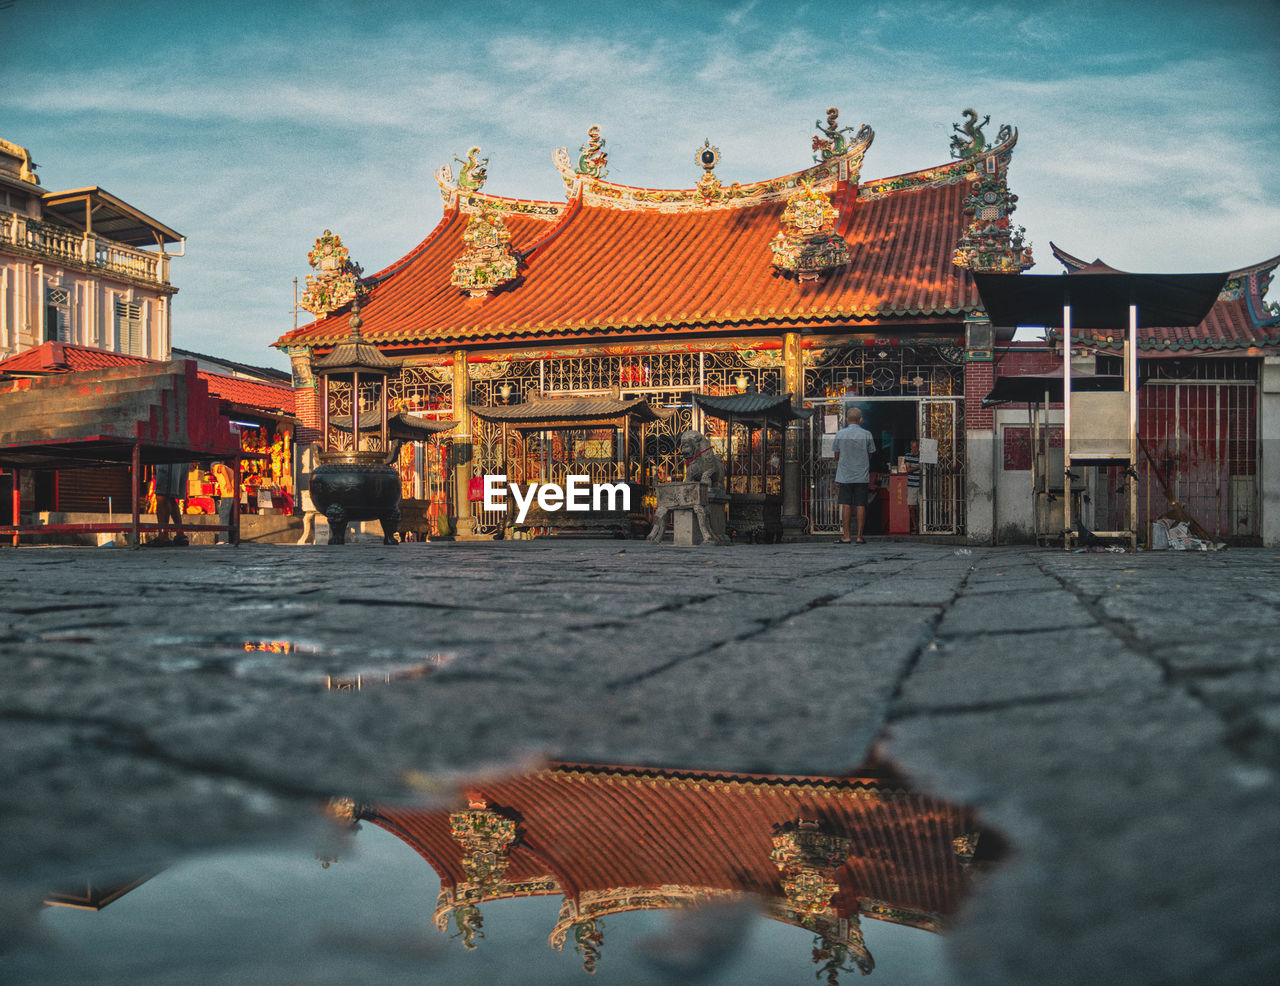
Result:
[[774, 408], [1099, 300], [95, 210], [1030, 388]]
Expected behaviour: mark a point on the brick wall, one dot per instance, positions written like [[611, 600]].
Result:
[[979, 377], [308, 412]]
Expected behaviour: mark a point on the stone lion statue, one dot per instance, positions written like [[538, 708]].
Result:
[[701, 464]]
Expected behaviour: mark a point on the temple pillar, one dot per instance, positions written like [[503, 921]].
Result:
[[464, 525], [793, 522]]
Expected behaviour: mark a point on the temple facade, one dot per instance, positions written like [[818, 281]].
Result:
[[820, 285]]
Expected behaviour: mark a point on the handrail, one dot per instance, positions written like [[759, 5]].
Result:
[[85, 249]]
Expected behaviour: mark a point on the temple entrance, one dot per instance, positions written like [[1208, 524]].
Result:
[[893, 423]]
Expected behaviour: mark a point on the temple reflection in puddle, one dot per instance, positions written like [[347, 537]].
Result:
[[819, 853]]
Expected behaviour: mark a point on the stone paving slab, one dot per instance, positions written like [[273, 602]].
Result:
[[1115, 717]]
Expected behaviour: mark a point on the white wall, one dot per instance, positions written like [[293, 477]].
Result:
[[1269, 442]]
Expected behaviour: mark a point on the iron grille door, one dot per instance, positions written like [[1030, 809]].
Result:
[[942, 483]]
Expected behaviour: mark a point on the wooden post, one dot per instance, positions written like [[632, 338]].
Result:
[[1066, 427], [135, 478]]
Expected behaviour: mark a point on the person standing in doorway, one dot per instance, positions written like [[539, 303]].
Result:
[[853, 447], [912, 461]]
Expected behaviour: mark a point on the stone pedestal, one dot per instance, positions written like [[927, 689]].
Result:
[[697, 514]]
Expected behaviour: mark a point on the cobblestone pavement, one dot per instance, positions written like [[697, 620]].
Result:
[[1116, 716]]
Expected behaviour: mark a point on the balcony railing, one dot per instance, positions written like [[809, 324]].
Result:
[[59, 244]]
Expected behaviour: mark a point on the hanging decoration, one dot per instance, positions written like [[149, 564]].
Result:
[[809, 243], [336, 281], [593, 159], [489, 261], [807, 859], [486, 837]]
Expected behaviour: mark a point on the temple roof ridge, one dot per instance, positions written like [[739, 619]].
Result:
[[942, 174], [705, 194]]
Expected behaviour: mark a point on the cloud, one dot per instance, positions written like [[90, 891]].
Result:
[[254, 145]]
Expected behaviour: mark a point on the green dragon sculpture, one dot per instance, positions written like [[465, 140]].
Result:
[[835, 142], [594, 159], [969, 140], [473, 174]]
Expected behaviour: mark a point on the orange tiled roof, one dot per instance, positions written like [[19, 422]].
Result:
[[595, 828], [609, 264], [1238, 320], [63, 357], [251, 393]]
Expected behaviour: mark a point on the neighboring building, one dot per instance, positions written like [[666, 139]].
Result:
[[261, 408], [79, 266], [816, 284], [1208, 412]]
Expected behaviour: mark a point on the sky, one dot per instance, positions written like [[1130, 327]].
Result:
[[1146, 130]]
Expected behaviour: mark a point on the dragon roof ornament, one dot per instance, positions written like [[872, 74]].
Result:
[[594, 159], [834, 143], [969, 140], [336, 280]]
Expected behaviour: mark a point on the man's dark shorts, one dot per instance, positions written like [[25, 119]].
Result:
[[853, 494]]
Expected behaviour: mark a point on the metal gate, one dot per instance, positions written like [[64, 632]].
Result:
[[1204, 440], [942, 506], [942, 483]]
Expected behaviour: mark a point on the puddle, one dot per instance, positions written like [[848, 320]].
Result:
[[636, 875], [299, 662]]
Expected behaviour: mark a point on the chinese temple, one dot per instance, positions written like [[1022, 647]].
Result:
[[818, 853], [818, 284]]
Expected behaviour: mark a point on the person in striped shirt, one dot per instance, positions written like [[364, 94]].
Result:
[[912, 461]]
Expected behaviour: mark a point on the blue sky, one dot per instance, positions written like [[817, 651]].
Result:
[[1147, 131]]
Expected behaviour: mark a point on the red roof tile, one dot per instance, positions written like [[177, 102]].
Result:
[[596, 828], [251, 393], [598, 270], [63, 357], [1237, 321]]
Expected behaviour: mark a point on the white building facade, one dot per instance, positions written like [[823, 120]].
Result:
[[80, 266]]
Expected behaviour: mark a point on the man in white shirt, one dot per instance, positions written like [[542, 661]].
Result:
[[853, 446]]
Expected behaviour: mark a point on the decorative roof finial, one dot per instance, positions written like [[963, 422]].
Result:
[[473, 174], [594, 159], [336, 280], [969, 140], [834, 143], [708, 156]]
